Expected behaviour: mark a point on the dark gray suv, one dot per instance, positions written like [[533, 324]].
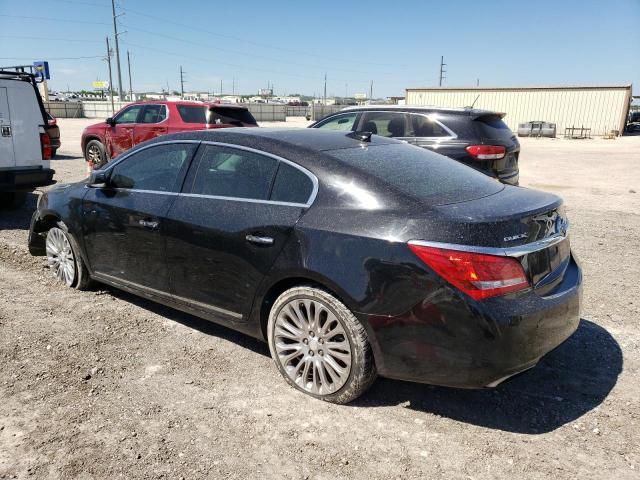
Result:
[[478, 138]]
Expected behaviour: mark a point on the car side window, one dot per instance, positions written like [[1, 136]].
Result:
[[155, 168], [128, 115], [291, 185], [153, 114], [342, 122], [231, 172], [386, 124], [424, 126]]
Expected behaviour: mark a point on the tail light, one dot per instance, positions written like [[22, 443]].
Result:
[[45, 144], [478, 275], [486, 152]]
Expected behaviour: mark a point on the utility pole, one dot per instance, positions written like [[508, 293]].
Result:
[[110, 79], [442, 69], [115, 33], [181, 83], [325, 90], [233, 86], [220, 87], [130, 87], [371, 91], [477, 82]]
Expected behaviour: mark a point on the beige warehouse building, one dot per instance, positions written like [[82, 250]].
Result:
[[601, 108]]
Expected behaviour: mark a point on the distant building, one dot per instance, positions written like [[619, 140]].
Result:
[[600, 108]]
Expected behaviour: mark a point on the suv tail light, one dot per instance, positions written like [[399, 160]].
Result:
[[45, 144], [478, 275], [486, 152]]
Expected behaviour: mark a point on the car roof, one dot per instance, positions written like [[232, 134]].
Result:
[[474, 112], [188, 103], [268, 139]]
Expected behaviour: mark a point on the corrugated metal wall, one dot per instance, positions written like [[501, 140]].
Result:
[[602, 109]]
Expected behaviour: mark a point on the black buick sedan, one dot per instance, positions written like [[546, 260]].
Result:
[[351, 254]]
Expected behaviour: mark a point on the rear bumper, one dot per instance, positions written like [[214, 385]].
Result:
[[454, 341], [26, 179]]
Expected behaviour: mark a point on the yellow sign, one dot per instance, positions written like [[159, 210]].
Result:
[[100, 85]]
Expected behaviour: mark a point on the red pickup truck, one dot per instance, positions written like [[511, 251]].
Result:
[[141, 121]]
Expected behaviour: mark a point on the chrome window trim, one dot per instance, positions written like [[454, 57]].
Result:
[[160, 293], [516, 252], [312, 177], [429, 116], [309, 174]]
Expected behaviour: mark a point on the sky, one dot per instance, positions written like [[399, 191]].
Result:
[[291, 45]]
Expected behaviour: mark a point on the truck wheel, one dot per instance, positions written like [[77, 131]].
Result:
[[12, 200], [95, 154]]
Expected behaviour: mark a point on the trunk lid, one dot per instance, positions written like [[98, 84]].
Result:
[[526, 224]]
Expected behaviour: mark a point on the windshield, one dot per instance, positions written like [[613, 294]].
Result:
[[426, 176]]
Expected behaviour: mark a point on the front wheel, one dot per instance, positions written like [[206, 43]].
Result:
[[94, 153], [64, 260], [319, 346]]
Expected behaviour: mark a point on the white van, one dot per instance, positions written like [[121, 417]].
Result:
[[25, 147]]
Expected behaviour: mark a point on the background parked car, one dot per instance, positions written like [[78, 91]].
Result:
[[537, 129], [142, 121], [477, 138], [53, 130]]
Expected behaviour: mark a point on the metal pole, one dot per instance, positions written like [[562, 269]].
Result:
[[325, 90], [371, 91], [110, 78], [220, 87], [130, 87], [181, 83], [115, 33], [442, 70]]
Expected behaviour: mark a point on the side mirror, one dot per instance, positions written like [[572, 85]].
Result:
[[99, 179], [110, 121]]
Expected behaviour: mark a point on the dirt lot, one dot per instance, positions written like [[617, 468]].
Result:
[[102, 384]]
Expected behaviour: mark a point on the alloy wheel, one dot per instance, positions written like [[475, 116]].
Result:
[[312, 346], [93, 153], [60, 256]]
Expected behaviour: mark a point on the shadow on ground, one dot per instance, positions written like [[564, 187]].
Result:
[[19, 218], [567, 383]]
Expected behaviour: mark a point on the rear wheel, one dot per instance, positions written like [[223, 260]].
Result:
[[319, 346], [94, 153], [64, 260]]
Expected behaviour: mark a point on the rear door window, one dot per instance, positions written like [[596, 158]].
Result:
[[231, 172], [153, 114], [292, 185], [193, 113], [343, 122], [424, 126], [386, 124]]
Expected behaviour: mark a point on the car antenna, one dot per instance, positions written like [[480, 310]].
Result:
[[362, 136], [474, 102]]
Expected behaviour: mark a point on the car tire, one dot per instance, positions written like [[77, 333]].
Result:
[[12, 200], [95, 154], [63, 257], [334, 360]]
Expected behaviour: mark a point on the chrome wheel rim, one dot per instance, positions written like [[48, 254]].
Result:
[[93, 153], [60, 256], [312, 346]]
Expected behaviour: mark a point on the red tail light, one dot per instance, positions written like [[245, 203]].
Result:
[[478, 275], [486, 152], [45, 144]]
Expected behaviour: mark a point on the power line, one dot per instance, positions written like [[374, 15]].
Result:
[[26, 17], [49, 39], [39, 55]]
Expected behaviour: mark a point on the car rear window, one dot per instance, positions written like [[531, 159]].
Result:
[[230, 115], [192, 113], [429, 177], [492, 127]]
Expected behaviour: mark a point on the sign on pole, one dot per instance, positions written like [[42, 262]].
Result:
[[42, 70]]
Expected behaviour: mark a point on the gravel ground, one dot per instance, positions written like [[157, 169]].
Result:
[[102, 384]]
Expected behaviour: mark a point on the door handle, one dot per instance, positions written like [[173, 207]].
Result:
[[258, 240], [148, 224]]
